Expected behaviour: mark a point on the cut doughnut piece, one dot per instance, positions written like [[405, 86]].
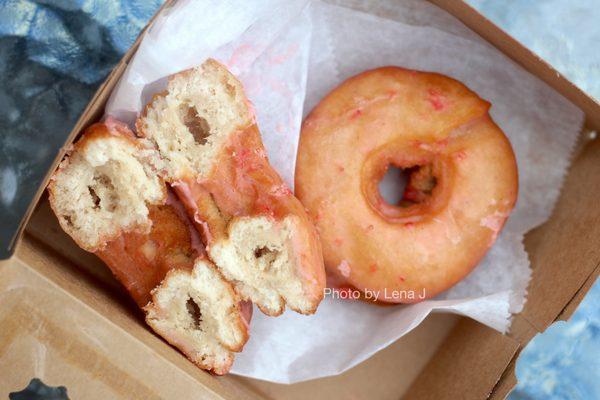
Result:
[[142, 232], [105, 185], [258, 255], [256, 231], [198, 312]]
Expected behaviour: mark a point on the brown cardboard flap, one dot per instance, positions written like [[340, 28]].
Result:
[[95, 343], [43, 226], [523, 331], [468, 364], [565, 251], [507, 382], [574, 303]]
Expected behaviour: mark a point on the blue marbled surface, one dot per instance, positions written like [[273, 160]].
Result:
[[564, 361], [54, 53], [566, 33]]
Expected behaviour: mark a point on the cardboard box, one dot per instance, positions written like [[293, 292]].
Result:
[[66, 320]]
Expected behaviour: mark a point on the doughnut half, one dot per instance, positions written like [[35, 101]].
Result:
[[108, 196], [255, 230], [461, 181]]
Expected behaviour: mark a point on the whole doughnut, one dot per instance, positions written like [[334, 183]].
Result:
[[461, 182]]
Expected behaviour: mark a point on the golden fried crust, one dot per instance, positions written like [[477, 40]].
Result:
[[462, 181], [141, 261]]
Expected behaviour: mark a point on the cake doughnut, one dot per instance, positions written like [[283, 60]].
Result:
[[461, 181], [255, 230], [108, 196]]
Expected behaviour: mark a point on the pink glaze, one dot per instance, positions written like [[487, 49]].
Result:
[[392, 94], [289, 53], [437, 99], [239, 56], [116, 127], [436, 147], [205, 230], [494, 222], [185, 195], [317, 216], [366, 102], [281, 190], [261, 153], [355, 113], [246, 312], [245, 160], [460, 155], [344, 268], [305, 259]]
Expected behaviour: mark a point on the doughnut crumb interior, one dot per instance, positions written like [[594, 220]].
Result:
[[191, 121]]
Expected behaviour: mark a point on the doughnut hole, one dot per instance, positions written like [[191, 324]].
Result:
[[420, 186], [196, 125], [404, 187], [392, 185]]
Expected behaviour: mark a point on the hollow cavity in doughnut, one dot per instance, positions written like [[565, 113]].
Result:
[[196, 125], [418, 182], [194, 312], [404, 187]]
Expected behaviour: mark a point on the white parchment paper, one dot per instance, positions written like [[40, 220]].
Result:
[[265, 43], [288, 54]]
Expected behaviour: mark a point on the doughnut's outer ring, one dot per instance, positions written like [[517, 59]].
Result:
[[394, 116]]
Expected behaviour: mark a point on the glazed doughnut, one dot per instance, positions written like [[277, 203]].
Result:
[[108, 197], [256, 231], [460, 168]]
